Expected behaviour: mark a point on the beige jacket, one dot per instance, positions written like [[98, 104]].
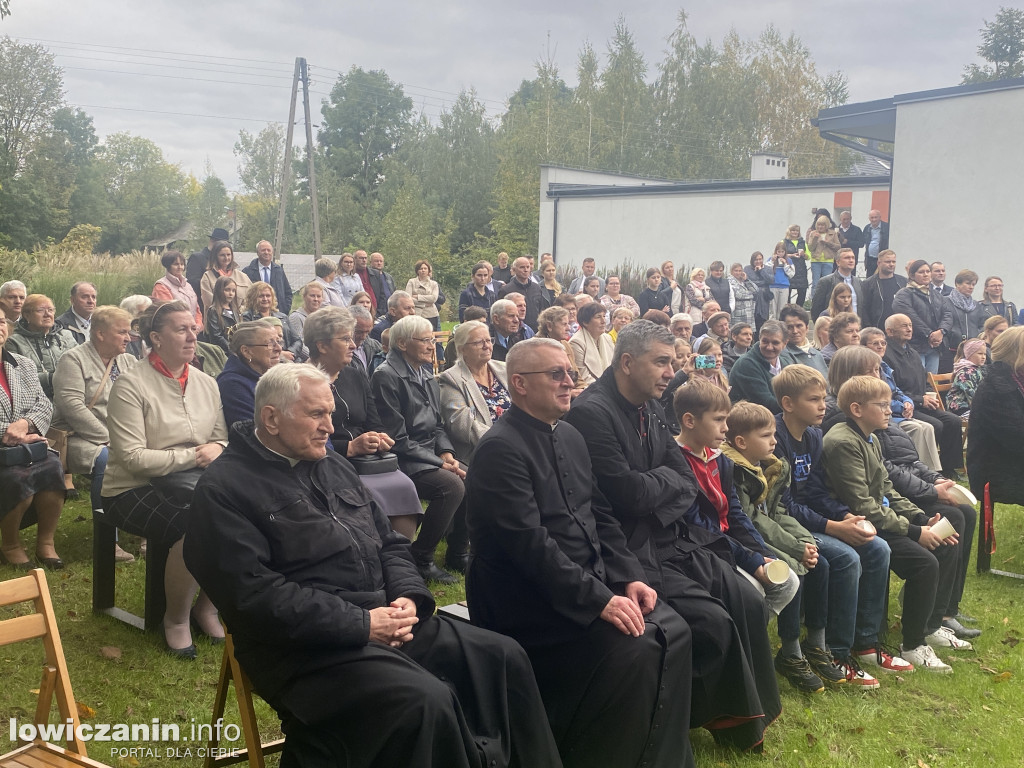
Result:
[[78, 376], [209, 280], [592, 357], [465, 412], [154, 429]]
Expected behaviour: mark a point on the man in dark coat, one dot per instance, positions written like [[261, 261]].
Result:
[[264, 268], [641, 471], [199, 261], [521, 283], [78, 318], [879, 291], [850, 235], [329, 617], [382, 282], [551, 568], [875, 237]]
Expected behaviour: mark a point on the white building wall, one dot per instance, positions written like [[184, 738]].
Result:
[[957, 176], [691, 229]]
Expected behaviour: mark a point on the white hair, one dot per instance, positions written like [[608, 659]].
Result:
[[406, 328], [11, 285], [280, 386], [503, 307]]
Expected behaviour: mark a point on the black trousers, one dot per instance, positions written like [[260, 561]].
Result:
[[617, 700], [456, 696], [735, 693], [949, 436], [445, 494], [965, 525], [929, 576]]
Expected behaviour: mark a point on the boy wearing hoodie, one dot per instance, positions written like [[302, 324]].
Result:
[[761, 480]]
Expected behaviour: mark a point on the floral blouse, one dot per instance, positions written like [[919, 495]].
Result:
[[961, 392], [496, 397]]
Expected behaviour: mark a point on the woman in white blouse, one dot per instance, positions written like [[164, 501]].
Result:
[[424, 292]]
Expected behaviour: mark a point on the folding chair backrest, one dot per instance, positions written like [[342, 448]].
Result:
[[42, 624], [940, 383]]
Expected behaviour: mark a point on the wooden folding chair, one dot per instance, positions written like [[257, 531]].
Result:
[[940, 383], [441, 339], [55, 682], [255, 750]]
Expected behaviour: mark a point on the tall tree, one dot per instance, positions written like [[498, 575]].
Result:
[[623, 105], [261, 160], [1002, 46], [31, 90], [365, 120]]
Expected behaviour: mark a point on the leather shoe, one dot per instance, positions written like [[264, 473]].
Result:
[[431, 572], [52, 563], [189, 654], [456, 562]]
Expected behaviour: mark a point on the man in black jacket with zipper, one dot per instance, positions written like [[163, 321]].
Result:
[[879, 291]]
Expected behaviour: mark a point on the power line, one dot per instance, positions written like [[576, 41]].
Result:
[[184, 114]]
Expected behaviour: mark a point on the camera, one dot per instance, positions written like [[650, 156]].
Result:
[[705, 362]]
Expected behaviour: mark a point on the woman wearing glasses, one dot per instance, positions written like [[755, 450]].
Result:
[[358, 432], [166, 426], [553, 323], [261, 302], [254, 351], [592, 348], [37, 337], [409, 405], [474, 391]]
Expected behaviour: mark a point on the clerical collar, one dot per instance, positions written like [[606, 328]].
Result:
[[289, 459]]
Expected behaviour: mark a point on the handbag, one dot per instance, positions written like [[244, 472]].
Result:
[[26, 453], [375, 464], [178, 487]]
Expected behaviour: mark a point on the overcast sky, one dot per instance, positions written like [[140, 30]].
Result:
[[189, 74]]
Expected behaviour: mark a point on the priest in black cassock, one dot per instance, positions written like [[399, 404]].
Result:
[[550, 567], [330, 618], [650, 486]]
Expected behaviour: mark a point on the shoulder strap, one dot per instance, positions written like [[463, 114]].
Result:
[[103, 381]]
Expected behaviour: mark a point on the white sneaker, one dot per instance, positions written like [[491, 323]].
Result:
[[923, 657], [944, 637]]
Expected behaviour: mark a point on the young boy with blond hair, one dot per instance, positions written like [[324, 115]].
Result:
[[762, 485], [702, 410], [858, 559], [920, 556]]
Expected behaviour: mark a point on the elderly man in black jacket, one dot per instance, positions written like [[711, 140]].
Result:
[[551, 568], [264, 269], [329, 617], [641, 471]]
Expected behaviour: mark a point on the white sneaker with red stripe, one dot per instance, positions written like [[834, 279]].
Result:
[[881, 658], [855, 675]]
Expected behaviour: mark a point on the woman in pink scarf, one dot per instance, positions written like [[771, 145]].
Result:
[[697, 293]]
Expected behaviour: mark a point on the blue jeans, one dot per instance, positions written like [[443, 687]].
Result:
[[857, 583], [813, 597], [818, 270], [99, 467], [930, 359]]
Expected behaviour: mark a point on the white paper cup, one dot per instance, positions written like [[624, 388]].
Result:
[[865, 525], [963, 495], [943, 529], [777, 571], [931, 394]]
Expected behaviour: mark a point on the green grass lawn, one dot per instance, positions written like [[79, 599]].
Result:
[[970, 718]]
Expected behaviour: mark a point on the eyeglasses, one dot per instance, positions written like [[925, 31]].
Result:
[[885, 407], [424, 340], [346, 339], [557, 374], [272, 345], [482, 343]]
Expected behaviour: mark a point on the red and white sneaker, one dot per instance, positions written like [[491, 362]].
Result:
[[881, 658], [855, 675]]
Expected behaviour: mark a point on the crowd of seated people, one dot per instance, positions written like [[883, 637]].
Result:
[[752, 397]]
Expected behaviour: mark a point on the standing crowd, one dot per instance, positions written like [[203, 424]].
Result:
[[633, 486]]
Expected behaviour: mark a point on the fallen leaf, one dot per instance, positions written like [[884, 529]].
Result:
[[922, 764], [132, 762], [1011, 641], [129, 711], [85, 712], [986, 707], [989, 670], [110, 652], [811, 739], [80, 519], [1006, 620], [34, 691], [72, 614], [1002, 677]]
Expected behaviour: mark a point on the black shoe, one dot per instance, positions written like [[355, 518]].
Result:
[[799, 673], [432, 573], [821, 663], [189, 653], [51, 563], [453, 562]]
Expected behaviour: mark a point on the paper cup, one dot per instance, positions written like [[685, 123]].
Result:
[[777, 571], [865, 525], [943, 529], [963, 495]]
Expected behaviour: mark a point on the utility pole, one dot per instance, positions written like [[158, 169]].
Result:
[[317, 251], [286, 176]]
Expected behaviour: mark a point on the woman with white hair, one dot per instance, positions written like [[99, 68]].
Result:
[[474, 392], [409, 404]]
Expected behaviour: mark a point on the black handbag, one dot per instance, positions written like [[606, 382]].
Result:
[[178, 487], [374, 464], [26, 453]]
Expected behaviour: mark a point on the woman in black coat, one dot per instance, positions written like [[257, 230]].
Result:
[[409, 405], [762, 277], [929, 312]]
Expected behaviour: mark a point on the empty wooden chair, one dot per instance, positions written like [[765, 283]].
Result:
[[41, 623]]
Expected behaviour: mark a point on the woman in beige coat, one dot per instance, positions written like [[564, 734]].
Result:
[[474, 391], [592, 348]]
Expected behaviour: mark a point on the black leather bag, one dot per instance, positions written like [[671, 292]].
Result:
[[26, 453], [375, 464], [178, 487]]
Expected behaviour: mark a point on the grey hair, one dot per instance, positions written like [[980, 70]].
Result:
[[79, 284], [11, 285], [247, 334], [134, 305], [521, 352], [324, 266], [395, 297], [678, 316], [325, 324], [279, 387], [464, 330], [773, 328], [360, 312], [502, 307], [406, 328], [638, 337]]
